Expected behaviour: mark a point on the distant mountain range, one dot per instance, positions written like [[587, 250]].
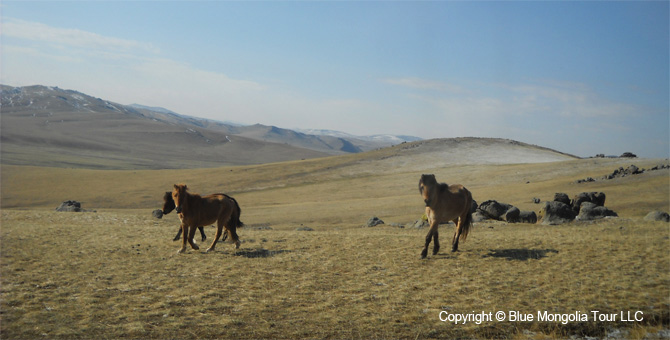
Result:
[[50, 126]]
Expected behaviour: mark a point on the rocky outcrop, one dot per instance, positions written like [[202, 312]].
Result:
[[555, 212]]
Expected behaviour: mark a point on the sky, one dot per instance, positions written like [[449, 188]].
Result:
[[581, 77]]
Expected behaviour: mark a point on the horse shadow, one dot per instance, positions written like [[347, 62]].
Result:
[[520, 254], [259, 253]]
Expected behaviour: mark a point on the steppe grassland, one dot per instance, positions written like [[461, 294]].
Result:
[[115, 273]]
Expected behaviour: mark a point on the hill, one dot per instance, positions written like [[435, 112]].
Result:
[[49, 126]]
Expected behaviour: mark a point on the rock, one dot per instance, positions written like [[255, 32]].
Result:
[[597, 198], [494, 210], [555, 212], [561, 197], [536, 200], [512, 215], [473, 206], [304, 229], [374, 221], [628, 155], [527, 217], [591, 211], [70, 206], [419, 224], [157, 213], [477, 216], [657, 216]]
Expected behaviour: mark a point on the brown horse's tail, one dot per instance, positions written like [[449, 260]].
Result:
[[467, 223], [235, 218]]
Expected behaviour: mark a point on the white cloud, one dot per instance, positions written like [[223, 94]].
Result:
[[34, 31]]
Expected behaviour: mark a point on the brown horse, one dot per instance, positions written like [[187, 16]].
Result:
[[197, 211], [445, 203], [168, 206]]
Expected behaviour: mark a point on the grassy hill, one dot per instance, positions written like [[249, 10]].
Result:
[[115, 273]]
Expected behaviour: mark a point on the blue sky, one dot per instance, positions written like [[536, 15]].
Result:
[[580, 77]]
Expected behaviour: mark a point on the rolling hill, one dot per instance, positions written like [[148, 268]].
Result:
[[49, 126]]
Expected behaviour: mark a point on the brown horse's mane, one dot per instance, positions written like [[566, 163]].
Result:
[[442, 187]]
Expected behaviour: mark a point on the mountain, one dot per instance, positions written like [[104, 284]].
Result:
[[373, 141], [49, 126]]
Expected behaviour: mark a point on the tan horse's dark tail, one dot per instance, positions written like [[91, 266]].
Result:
[[467, 223]]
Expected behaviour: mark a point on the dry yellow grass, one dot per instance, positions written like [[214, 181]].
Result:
[[115, 273]]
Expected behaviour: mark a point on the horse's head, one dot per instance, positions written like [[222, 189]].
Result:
[[168, 203], [427, 185], [178, 196]]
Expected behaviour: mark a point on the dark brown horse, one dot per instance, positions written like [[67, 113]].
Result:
[[445, 203], [197, 211], [168, 206]]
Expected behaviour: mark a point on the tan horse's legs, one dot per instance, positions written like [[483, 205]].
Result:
[[457, 233], [432, 234]]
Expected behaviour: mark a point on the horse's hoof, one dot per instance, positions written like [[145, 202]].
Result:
[[203, 239], [208, 250], [180, 251], [195, 246], [237, 245], [424, 253]]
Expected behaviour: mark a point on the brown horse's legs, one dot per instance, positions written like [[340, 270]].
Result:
[[216, 237], [202, 234], [436, 243], [191, 234], [185, 236], [233, 236]]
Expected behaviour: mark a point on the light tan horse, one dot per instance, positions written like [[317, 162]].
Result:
[[197, 211], [445, 203]]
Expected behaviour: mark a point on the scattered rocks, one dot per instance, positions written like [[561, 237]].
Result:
[[157, 213], [561, 197], [418, 224], [512, 215], [621, 172], [494, 210], [374, 221], [305, 229], [70, 206], [591, 211], [597, 198], [555, 212], [657, 216], [528, 217]]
